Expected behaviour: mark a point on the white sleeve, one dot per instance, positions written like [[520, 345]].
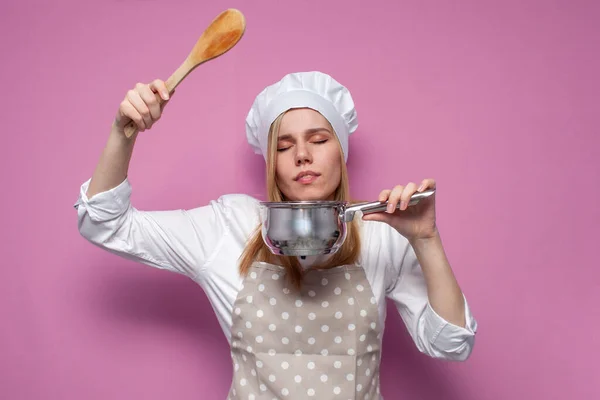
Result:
[[176, 240], [432, 334]]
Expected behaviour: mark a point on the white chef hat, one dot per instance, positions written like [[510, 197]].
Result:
[[314, 90]]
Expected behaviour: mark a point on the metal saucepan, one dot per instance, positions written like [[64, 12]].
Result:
[[308, 228]]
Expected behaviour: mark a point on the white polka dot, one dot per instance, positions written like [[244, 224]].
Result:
[[298, 303], [285, 392], [248, 324], [350, 352], [347, 275], [311, 365], [259, 364], [312, 316], [359, 362], [338, 339], [240, 335], [358, 387], [363, 313], [263, 388], [351, 301], [285, 315], [311, 340], [324, 378], [261, 288], [325, 304], [259, 339], [373, 300], [325, 328], [275, 277], [360, 288], [234, 344], [234, 392], [312, 293], [310, 392], [286, 290], [337, 390], [298, 352], [249, 299], [253, 372], [272, 327], [351, 327], [260, 313], [253, 275], [243, 382], [272, 378], [337, 364], [373, 358], [251, 397], [338, 315], [324, 281], [285, 340], [298, 329], [298, 378], [362, 338], [368, 372], [272, 301], [373, 325], [369, 348], [350, 377], [285, 365], [236, 366], [249, 350], [238, 311], [272, 352], [324, 352]]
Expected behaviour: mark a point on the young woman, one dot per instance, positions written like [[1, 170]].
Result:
[[298, 328]]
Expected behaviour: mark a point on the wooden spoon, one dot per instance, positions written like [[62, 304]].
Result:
[[221, 35]]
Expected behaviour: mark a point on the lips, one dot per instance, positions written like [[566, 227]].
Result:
[[306, 176]]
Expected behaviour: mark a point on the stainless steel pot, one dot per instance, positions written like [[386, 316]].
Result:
[[308, 228]]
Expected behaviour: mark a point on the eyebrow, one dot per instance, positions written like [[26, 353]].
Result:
[[306, 132]]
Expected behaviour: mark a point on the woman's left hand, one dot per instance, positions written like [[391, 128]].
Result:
[[414, 222]]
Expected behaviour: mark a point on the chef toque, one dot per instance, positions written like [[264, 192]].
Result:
[[314, 90]]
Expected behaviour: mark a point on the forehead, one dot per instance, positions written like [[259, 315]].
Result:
[[298, 121]]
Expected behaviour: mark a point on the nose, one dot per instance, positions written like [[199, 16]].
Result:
[[303, 155]]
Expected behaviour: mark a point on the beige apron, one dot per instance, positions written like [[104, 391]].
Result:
[[322, 342]]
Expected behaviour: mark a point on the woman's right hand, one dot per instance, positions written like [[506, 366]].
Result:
[[142, 106]]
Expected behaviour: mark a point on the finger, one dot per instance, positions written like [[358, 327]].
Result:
[[141, 107], [151, 101], [129, 111], [427, 184], [160, 87], [383, 196], [408, 191], [394, 198]]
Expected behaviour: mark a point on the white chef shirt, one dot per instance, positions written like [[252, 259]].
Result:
[[205, 244]]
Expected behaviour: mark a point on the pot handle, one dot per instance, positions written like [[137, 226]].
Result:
[[378, 206]]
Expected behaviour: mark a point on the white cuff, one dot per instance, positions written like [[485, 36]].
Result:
[[105, 205]]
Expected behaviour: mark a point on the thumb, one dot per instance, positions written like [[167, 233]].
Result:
[[378, 216]]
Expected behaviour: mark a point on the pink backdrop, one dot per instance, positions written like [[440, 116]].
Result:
[[496, 100]]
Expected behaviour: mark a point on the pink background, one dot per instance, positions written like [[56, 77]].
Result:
[[496, 100]]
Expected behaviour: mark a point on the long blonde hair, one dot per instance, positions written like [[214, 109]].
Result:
[[257, 250]]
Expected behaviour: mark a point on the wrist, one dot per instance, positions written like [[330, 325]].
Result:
[[426, 240]]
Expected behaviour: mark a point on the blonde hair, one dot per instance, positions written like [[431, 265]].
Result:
[[257, 250]]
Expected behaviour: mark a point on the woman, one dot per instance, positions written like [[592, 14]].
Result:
[[298, 328]]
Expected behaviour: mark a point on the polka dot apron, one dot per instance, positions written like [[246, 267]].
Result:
[[321, 342]]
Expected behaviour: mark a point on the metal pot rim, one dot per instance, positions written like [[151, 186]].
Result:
[[303, 204]]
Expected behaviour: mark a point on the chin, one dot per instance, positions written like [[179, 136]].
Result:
[[310, 194]]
